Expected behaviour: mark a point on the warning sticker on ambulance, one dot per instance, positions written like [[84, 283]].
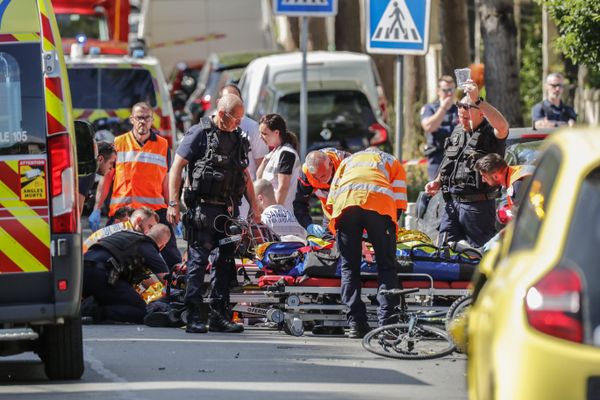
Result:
[[33, 179]]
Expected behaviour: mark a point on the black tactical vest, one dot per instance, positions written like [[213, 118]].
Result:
[[218, 175], [462, 150], [123, 246]]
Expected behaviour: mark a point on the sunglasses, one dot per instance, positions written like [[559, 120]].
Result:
[[556, 85], [451, 90], [232, 118], [465, 106]]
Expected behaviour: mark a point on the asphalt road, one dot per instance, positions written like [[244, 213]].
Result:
[[131, 362]]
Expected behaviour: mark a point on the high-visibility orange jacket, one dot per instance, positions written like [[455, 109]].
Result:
[[370, 179], [308, 184], [516, 173], [139, 173]]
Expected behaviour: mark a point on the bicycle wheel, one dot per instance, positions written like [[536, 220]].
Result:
[[422, 342], [458, 308]]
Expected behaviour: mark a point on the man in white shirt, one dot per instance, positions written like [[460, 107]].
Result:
[[278, 218]]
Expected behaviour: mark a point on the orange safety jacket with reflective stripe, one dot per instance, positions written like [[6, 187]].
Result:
[[139, 173], [515, 173], [322, 189], [370, 179]]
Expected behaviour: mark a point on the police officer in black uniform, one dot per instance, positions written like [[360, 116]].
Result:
[[216, 154], [439, 119], [469, 213], [113, 265]]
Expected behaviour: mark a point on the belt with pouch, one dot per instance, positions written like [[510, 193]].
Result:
[[471, 198]]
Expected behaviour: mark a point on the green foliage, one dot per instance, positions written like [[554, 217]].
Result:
[[530, 73], [416, 178], [578, 22]]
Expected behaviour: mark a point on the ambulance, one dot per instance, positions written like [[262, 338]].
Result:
[[40, 228]]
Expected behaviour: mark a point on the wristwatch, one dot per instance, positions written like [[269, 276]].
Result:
[[479, 101], [172, 203]]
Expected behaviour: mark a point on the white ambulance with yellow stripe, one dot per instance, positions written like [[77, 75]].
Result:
[[106, 86], [40, 230]]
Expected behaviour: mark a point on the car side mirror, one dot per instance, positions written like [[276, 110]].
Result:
[[87, 151]]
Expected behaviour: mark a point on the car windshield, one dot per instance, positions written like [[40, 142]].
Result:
[[22, 105], [342, 112], [523, 153], [110, 88], [93, 26]]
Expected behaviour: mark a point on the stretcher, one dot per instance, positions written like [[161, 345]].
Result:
[[298, 303], [281, 286]]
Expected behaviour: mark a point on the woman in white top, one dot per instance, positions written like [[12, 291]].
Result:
[[281, 166]]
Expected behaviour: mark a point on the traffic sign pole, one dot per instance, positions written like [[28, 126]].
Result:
[[303, 90], [399, 107], [398, 27], [304, 9]]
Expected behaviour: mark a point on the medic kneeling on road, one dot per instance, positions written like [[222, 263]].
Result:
[[112, 267], [315, 177]]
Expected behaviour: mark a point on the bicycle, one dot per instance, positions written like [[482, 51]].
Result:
[[412, 337]]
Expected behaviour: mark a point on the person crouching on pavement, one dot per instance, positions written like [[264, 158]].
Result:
[[113, 265], [217, 154], [368, 192]]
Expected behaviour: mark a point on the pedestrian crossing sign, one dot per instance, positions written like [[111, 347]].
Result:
[[398, 26], [305, 8]]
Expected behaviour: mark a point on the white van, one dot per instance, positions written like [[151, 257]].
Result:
[[321, 66]]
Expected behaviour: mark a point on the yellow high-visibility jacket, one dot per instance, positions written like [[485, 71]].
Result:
[[370, 179]]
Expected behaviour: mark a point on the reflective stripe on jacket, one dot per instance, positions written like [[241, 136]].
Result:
[[321, 190], [370, 179], [516, 173], [139, 173]]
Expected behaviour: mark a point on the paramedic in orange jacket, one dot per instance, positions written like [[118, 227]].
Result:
[[141, 174], [496, 172], [316, 175], [368, 192]]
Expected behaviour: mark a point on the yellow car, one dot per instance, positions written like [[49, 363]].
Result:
[[534, 329]]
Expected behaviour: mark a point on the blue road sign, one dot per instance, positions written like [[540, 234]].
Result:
[[305, 8], [398, 26]]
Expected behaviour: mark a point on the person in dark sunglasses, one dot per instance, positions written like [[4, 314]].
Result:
[[552, 112], [438, 120], [469, 211]]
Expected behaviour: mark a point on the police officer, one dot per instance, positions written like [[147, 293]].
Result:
[[216, 154], [439, 119], [113, 265], [469, 212]]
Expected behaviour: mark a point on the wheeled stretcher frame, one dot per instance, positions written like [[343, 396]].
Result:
[[295, 303]]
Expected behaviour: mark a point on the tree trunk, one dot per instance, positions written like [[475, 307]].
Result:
[[317, 34], [454, 29], [500, 58], [289, 32], [414, 98], [347, 34]]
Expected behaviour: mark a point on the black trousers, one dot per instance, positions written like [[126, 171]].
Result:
[[382, 235], [117, 303], [208, 230]]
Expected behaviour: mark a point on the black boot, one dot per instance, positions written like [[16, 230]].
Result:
[[196, 319], [219, 323]]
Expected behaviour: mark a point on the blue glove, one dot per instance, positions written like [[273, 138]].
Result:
[[94, 220], [179, 230], [315, 230]]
